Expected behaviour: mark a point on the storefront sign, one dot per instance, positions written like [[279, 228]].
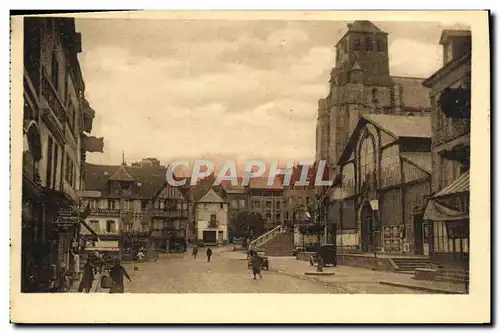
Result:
[[67, 217], [104, 211]]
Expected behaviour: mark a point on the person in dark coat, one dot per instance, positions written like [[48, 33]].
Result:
[[116, 273], [256, 265], [209, 254], [87, 278], [195, 251]]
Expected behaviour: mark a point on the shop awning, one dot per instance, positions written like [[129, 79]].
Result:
[[460, 185], [436, 211]]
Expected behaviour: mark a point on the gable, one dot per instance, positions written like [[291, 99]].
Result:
[[211, 196], [170, 192], [385, 138]]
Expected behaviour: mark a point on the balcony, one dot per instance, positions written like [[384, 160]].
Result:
[[445, 133], [52, 97]]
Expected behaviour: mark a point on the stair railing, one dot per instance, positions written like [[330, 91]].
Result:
[[267, 236]]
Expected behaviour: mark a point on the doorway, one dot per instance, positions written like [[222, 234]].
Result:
[[421, 232], [366, 228]]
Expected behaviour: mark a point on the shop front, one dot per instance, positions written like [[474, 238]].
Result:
[[447, 214]]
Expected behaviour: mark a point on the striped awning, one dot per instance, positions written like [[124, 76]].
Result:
[[460, 185]]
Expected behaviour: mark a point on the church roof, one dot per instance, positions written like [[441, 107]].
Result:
[[413, 93], [402, 126], [417, 127], [363, 26], [423, 160]]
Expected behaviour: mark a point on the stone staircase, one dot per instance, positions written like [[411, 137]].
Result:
[[277, 242], [453, 274], [408, 265]]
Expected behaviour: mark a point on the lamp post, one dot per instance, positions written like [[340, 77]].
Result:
[[374, 206]]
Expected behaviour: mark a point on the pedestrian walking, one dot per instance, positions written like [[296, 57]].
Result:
[[209, 254], [140, 256], [87, 278], [195, 251], [256, 265], [116, 273]]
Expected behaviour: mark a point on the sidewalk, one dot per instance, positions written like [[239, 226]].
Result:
[[349, 278]]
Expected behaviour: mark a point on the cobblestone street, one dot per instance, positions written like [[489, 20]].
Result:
[[229, 274], [222, 275]]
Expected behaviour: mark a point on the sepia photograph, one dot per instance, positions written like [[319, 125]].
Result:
[[197, 154]]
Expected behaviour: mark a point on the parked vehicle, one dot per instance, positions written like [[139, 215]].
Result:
[[327, 253]]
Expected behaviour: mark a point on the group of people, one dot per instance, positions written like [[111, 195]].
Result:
[[208, 253], [117, 273]]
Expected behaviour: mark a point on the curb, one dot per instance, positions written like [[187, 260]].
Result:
[[303, 277], [319, 273], [427, 289]]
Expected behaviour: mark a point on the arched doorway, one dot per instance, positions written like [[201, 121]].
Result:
[[366, 219]]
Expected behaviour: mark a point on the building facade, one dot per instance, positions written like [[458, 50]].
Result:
[[56, 119], [237, 199], [212, 216], [385, 175], [447, 211], [267, 200], [360, 83], [149, 213]]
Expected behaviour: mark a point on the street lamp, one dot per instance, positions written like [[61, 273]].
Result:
[[374, 206]]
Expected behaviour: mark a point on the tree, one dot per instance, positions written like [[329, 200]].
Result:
[[248, 225]]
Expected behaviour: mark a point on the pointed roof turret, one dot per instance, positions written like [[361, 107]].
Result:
[[122, 175], [356, 67]]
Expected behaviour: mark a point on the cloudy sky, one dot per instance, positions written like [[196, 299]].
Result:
[[177, 89]]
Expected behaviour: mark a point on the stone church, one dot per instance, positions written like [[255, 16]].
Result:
[[360, 83]]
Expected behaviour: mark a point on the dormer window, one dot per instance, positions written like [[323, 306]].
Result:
[[380, 45], [356, 44], [368, 44]]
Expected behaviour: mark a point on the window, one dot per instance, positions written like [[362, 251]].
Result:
[[278, 217], [368, 44], [49, 163], [380, 45], [56, 157], [111, 204], [221, 205], [94, 225], [234, 203], [144, 204], [213, 220], [268, 204], [356, 44], [268, 216], [374, 94], [287, 215], [256, 204], [162, 204], [55, 70], [242, 204], [110, 227], [277, 205], [367, 162]]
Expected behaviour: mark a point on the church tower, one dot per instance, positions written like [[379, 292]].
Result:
[[360, 82]]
